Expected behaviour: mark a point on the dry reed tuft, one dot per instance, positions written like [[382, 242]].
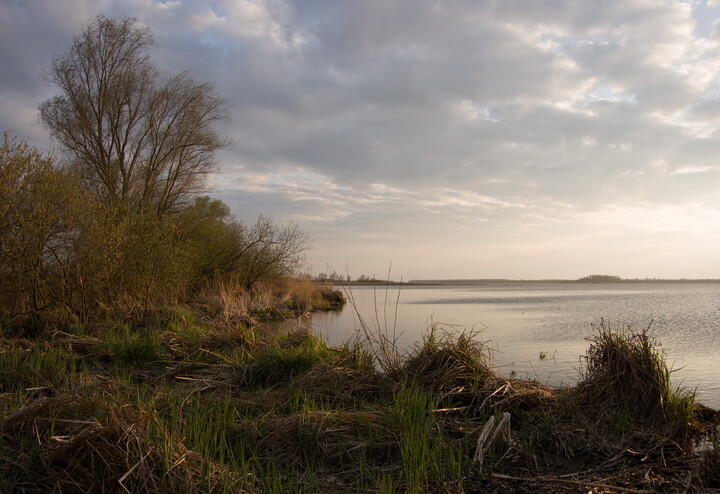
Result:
[[229, 301], [333, 437], [450, 362], [625, 384], [343, 384], [624, 370]]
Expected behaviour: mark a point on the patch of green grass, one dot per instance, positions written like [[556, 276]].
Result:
[[428, 459], [126, 346], [294, 355], [38, 367], [207, 421]]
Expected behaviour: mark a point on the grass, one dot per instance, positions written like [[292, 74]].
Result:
[[201, 399], [626, 370]]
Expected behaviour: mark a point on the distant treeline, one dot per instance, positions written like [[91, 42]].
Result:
[[595, 278]]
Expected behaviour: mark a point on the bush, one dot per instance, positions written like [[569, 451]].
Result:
[[38, 219]]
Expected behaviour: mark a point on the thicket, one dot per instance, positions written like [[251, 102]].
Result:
[[120, 222], [64, 251]]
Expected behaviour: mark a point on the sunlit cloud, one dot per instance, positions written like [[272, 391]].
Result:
[[518, 135]]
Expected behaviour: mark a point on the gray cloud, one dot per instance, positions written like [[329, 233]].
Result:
[[512, 124]]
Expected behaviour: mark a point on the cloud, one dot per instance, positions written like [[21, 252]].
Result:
[[514, 119]]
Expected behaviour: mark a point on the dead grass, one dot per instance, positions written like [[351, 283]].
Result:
[[83, 444], [450, 362], [204, 418], [625, 383], [228, 301]]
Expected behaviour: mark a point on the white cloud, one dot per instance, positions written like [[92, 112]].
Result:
[[524, 121]]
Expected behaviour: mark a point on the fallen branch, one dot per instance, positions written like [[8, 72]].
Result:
[[529, 480]]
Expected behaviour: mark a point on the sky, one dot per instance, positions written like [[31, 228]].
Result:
[[515, 139]]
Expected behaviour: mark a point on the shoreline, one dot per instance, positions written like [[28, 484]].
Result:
[[202, 399], [489, 281]]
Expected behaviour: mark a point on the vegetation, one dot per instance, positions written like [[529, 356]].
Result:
[[600, 278], [133, 358], [200, 399], [120, 227]]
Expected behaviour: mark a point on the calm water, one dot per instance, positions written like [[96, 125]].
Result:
[[521, 320]]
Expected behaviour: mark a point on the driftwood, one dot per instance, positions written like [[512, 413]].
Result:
[[492, 435]]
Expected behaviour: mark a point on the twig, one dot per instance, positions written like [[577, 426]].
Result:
[[122, 479], [491, 435], [502, 388], [569, 481]]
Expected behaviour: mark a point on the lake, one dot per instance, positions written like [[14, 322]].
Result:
[[521, 320]]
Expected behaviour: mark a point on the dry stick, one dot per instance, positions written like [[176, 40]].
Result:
[[502, 389], [489, 437], [480, 448], [568, 481], [503, 428], [122, 479]]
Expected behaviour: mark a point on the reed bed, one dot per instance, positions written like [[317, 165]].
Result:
[[199, 400]]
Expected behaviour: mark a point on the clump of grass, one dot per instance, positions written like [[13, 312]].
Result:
[[450, 361], [297, 353], [625, 375], [40, 367], [380, 338], [428, 458], [124, 345]]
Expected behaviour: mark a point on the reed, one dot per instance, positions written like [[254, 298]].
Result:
[[625, 378], [449, 360], [186, 403]]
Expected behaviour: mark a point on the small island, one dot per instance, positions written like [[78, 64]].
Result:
[[600, 278]]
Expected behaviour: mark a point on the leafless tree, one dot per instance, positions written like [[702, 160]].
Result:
[[142, 139], [272, 250]]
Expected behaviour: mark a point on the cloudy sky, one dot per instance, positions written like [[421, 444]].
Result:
[[450, 139]]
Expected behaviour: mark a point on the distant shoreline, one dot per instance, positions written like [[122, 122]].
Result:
[[491, 281]]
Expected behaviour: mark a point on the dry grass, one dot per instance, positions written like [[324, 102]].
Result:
[[625, 377], [228, 301], [332, 437], [231, 407], [84, 444], [450, 362], [625, 370]]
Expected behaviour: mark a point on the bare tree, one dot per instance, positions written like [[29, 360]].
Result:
[[143, 140], [272, 250]]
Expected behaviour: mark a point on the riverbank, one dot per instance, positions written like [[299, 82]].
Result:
[[203, 399]]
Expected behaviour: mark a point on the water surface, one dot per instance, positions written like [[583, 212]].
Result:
[[519, 321]]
